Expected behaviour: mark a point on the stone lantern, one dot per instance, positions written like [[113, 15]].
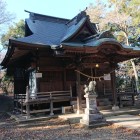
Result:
[[92, 116]]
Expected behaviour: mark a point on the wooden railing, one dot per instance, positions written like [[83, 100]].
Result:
[[126, 97], [50, 98]]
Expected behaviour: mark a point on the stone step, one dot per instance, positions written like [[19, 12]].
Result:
[[99, 107], [105, 107], [104, 103]]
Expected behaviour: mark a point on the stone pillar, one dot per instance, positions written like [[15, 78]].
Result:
[[92, 116]]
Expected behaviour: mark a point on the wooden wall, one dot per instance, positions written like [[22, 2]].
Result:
[[56, 76]]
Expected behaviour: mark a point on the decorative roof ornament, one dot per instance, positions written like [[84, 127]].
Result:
[[106, 34], [81, 15], [77, 18]]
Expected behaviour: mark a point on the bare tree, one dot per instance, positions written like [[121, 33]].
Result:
[[5, 16], [121, 21], [97, 13], [117, 19]]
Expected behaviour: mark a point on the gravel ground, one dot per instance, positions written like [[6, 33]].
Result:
[[58, 129]]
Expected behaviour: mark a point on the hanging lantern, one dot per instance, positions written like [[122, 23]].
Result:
[[97, 65]]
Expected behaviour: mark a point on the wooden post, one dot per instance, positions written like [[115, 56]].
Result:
[[27, 103], [113, 84], [51, 105], [70, 95], [21, 104], [79, 98], [15, 102], [64, 79], [133, 99]]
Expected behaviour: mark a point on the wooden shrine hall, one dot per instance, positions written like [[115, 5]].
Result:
[[57, 57]]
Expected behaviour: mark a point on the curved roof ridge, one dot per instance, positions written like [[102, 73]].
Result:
[[77, 18], [36, 16], [73, 29]]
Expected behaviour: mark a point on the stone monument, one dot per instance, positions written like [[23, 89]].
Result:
[[92, 116]]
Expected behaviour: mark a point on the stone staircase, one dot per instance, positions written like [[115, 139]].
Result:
[[103, 104]]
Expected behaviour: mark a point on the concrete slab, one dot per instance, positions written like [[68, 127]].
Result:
[[122, 117], [121, 111], [127, 121], [23, 118], [73, 118]]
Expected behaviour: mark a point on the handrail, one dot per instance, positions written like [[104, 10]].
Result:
[[52, 92], [43, 97]]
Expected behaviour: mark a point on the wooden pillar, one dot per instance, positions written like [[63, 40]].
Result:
[[51, 105], [113, 84], [64, 79], [79, 98], [27, 103], [37, 81]]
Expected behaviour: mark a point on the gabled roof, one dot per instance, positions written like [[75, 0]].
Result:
[[47, 30], [76, 24]]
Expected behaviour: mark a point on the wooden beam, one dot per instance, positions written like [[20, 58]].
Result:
[[49, 68]]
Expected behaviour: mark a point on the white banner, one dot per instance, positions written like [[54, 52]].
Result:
[[38, 75], [107, 77]]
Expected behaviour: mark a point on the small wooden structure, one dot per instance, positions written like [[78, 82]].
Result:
[[45, 61]]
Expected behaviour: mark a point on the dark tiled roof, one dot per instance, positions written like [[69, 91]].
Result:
[[53, 31], [47, 30], [36, 16], [44, 32], [98, 42], [73, 29]]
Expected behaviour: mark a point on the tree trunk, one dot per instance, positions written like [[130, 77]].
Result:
[[133, 65], [136, 75], [126, 36]]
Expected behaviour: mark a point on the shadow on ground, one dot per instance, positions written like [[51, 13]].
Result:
[[6, 103]]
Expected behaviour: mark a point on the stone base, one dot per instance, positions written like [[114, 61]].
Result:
[[93, 117], [114, 108], [93, 120], [93, 124], [66, 109]]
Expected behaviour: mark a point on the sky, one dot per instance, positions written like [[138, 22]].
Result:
[[58, 8]]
